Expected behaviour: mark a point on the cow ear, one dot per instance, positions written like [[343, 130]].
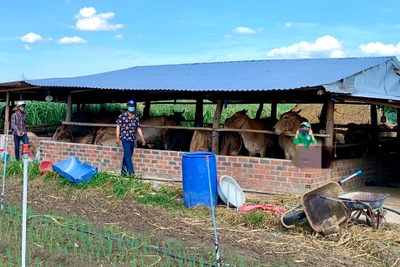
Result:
[[298, 111]]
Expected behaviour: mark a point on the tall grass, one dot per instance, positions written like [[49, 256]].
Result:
[[40, 113]]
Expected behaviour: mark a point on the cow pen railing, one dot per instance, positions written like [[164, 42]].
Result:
[[222, 130]]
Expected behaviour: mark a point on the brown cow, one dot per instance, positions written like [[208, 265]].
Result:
[[231, 144], [289, 122], [255, 143], [105, 136], [156, 135], [201, 140], [153, 136], [69, 133], [355, 134]]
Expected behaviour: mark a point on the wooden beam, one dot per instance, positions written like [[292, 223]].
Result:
[[274, 110], [374, 130], [146, 110], [199, 117], [323, 114], [259, 111], [366, 101], [328, 144], [19, 89], [216, 125], [7, 113], [68, 116], [398, 132]]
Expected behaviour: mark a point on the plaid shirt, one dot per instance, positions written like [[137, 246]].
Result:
[[128, 126], [18, 122]]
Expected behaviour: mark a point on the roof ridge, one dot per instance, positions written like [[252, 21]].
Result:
[[258, 60]]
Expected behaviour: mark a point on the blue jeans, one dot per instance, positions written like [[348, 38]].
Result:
[[127, 165], [17, 140]]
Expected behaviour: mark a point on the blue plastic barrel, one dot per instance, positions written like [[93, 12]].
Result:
[[195, 179]]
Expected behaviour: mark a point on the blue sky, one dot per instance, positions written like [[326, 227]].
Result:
[[64, 38]]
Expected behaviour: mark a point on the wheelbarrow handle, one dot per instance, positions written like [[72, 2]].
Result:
[[344, 200], [351, 176]]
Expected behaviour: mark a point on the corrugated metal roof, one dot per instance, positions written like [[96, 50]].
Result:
[[223, 76]]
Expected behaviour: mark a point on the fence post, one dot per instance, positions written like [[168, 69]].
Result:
[[3, 189], [24, 203]]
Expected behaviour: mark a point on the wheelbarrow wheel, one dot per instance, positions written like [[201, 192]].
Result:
[[289, 218]]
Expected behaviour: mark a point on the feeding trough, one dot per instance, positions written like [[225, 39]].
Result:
[[75, 171], [230, 192]]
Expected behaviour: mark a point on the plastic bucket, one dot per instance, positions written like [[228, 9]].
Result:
[[44, 166], [195, 179]]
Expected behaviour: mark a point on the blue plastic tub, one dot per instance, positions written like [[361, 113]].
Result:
[[4, 154], [195, 179], [75, 171]]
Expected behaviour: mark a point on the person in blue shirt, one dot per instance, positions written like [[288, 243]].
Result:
[[127, 126]]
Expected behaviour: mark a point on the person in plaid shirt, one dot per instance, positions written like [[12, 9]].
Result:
[[127, 126], [18, 120]]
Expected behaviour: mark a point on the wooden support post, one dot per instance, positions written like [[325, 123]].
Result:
[[199, 117], [398, 133], [259, 111], [68, 116], [216, 124], [328, 144], [146, 110], [374, 131], [7, 113], [274, 110], [323, 114]]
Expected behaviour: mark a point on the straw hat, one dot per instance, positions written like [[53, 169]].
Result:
[[19, 103]]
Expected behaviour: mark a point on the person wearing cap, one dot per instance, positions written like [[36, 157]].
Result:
[[18, 121], [304, 135], [127, 126]]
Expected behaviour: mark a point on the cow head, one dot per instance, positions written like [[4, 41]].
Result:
[[103, 134], [100, 133], [178, 117], [63, 131], [237, 120], [289, 122]]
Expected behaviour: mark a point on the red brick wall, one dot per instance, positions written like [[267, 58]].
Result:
[[260, 174]]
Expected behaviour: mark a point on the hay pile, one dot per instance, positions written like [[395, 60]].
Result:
[[344, 113]]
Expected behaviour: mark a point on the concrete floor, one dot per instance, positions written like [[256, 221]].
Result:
[[393, 200]]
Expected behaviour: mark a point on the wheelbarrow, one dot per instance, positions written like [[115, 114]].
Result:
[[363, 203], [317, 211]]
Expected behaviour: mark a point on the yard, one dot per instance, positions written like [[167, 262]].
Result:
[[119, 222]]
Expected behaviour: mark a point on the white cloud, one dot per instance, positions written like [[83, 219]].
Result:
[[380, 49], [227, 36], [288, 24], [88, 20], [326, 46], [27, 47], [138, 35], [72, 40], [246, 30], [31, 38], [119, 36]]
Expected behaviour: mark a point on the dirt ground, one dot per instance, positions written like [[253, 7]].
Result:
[[293, 247]]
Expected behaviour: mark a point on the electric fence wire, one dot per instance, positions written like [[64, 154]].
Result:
[[131, 243]]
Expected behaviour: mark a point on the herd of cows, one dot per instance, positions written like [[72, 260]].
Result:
[[230, 143]]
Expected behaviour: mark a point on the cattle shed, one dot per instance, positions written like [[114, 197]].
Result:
[[373, 81]]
